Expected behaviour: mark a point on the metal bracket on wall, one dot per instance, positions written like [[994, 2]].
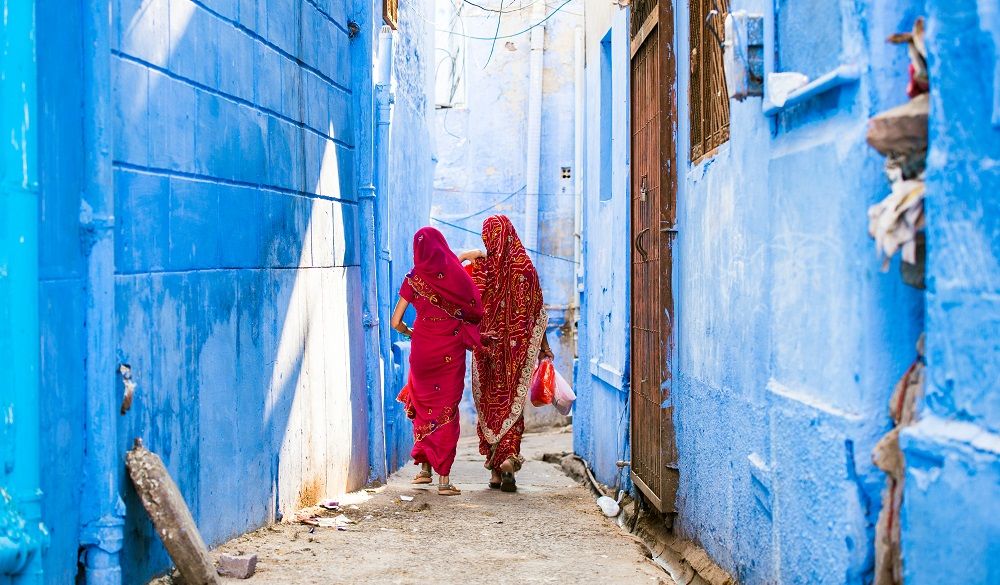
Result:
[[743, 54], [842, 75]]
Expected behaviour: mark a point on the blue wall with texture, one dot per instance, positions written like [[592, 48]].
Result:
[[789, 339], [236, 289], [951, 502], [601, 416]]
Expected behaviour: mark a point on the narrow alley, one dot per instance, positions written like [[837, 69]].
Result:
[[549, 531], [730, 269]]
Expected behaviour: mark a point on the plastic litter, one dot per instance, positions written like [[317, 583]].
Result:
[[330, 504], [406, 498], [335, 522], [608, 506]]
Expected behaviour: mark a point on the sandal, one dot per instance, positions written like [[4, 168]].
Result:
[[423, 477], [447, 489], [494, 485], [507, 483]]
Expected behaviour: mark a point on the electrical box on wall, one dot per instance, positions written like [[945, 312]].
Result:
[[743, 54]]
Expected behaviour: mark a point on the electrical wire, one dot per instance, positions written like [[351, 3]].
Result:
[[491, 207], [468, 231], [511, 35]]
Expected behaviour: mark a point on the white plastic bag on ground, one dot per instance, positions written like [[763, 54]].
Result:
[[564, 397]]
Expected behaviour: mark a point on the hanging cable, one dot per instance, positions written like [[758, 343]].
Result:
[[512, 35], [478, 233], [491, 207]]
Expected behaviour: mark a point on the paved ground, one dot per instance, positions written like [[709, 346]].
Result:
[[549, 532]]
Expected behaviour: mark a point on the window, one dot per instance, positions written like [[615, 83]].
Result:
[[605, 118], [449, 74], [709, 101]]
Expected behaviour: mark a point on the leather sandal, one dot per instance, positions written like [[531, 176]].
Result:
[[447, 489], [423, 477], [507, 483]]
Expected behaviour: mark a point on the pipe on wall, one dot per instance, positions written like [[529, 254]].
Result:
[[364, 114], [23, 536], [578, 89], [534, 150], [102, 510], [383, 100]]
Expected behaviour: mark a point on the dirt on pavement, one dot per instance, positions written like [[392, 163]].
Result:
[[550, 531]]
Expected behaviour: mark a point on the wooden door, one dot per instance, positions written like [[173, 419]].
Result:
[[653, 231]]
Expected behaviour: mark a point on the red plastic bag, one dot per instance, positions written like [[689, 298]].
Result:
[[543, 383]]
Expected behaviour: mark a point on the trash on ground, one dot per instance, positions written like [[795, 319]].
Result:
[[608, 506], [406, 498], [335, 522], [330, 504]]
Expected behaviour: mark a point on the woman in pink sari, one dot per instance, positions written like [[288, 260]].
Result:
[[449, 308]]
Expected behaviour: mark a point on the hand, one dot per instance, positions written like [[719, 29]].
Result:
[[545, 353]]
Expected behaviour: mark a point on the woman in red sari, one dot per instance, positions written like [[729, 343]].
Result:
[[449, 308], [514, 322]]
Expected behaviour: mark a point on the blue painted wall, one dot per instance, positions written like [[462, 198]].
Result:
[[601, 417], [235, 163], [62, 278], [951, 502], [481, 146], [789, 339]]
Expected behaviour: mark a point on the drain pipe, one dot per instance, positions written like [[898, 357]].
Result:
[[383, 101], [578, 88], [534, 151], [22, 536], [102, 519], [364, 114]]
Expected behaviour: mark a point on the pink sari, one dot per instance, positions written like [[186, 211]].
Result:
[[448, 308]]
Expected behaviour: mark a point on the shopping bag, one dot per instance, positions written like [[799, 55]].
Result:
[[543, 383], [564, 396]]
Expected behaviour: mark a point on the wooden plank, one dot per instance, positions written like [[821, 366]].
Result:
[[170, 515], [647, 27]]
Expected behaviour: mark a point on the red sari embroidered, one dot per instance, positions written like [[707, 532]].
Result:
[[449, 307], [515, 320]]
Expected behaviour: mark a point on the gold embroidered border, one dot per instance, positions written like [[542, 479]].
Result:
[[422, 288], [516, 409], [449, 415]]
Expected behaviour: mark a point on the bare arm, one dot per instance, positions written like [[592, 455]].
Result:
[[397, 318], [470, 255]]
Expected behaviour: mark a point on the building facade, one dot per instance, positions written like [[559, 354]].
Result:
[[782, 339], [207, 210]]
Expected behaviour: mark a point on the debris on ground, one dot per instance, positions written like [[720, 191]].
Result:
[[608, 506], [237, 566], [406, 498]]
